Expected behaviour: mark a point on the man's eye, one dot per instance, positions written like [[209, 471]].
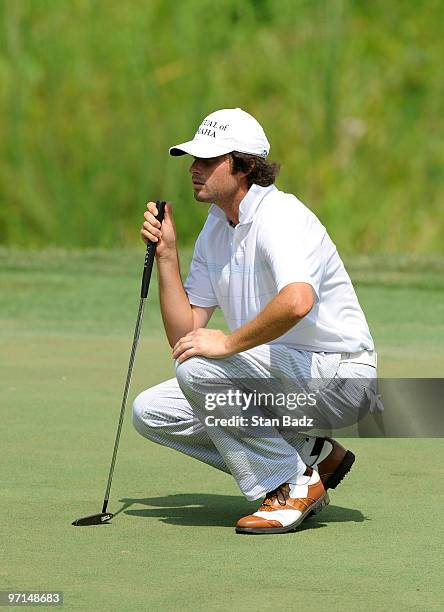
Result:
[[207, 162]]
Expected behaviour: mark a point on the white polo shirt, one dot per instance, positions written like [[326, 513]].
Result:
[[278, 241]]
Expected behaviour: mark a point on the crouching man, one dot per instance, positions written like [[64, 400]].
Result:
[[293, 315]]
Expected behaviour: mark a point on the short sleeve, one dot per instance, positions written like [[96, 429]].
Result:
[[292, 245], [198, 285]]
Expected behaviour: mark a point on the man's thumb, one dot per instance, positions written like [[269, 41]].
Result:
[[168, 210]]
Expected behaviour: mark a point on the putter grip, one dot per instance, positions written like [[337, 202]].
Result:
[[150, 253]]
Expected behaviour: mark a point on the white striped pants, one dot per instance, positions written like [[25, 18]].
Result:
[[173, 413]]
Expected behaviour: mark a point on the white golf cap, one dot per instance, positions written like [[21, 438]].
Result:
[[226, 130]]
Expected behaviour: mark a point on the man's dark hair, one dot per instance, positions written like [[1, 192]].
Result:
[[259, 170]]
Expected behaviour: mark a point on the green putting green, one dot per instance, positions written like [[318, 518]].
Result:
[[66, 330]]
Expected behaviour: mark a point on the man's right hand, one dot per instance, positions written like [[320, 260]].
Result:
[[151, 230]]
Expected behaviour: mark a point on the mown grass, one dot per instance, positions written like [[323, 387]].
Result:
[[72, 293], [93, 94], [66, 326]]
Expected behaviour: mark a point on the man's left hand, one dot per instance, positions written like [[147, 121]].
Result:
[[206, 342]]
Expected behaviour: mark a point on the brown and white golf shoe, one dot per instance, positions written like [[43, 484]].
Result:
[[329, 458], [286, 507]]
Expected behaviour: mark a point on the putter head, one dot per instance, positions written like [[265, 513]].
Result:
[[94, 519]]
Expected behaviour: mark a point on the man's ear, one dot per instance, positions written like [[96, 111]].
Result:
[[245, 171]]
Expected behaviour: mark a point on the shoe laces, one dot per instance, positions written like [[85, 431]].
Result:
[[280, 494]]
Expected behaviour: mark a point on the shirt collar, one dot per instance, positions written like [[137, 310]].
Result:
[[249, 204]]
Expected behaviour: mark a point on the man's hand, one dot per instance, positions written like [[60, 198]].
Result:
[[206, 342], [164, 235]]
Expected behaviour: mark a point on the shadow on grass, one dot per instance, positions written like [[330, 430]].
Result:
[[205, 509]]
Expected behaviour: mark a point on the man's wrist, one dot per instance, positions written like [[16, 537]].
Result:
[[167, 256], [230, 345]]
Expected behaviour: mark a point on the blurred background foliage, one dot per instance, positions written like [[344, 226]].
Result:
[[93, 92]]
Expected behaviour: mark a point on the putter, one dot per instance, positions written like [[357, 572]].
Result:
[[104, 517]]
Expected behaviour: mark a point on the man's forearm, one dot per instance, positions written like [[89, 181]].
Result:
[[176, 311], [283, 312]]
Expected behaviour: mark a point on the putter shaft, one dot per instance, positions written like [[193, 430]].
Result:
[[125, 396], [104, 517]]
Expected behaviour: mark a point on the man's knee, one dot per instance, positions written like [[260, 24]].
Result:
[[144, 415], [191, 371], [138, 412]]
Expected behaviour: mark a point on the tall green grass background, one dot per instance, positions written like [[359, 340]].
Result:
[[93, 92]]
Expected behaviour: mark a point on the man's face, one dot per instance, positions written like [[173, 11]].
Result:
[[213, 180]]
